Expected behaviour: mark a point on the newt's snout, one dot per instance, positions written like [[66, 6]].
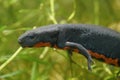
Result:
[[27, 39], [20, 42]]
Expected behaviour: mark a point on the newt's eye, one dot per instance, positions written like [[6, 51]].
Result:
[[32, 37]]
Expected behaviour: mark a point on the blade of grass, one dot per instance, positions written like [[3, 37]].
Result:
[[11, 74], [34, 71]]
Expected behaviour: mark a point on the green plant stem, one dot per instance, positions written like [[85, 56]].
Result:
[[73, 13], [43, 54], [52, 17], [11, 58], [52, 9]]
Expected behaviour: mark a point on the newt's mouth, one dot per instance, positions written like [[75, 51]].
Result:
[[23, 44]]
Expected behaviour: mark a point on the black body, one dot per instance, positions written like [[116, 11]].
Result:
[[98, 39]]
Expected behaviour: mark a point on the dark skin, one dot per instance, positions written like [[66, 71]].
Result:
[[89, 40]]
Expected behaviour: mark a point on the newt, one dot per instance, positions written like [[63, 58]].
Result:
[[92, 41]]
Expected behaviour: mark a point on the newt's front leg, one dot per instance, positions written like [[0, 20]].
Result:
[[81, 49]]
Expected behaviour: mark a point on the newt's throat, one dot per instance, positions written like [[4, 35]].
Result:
[[42, 44]]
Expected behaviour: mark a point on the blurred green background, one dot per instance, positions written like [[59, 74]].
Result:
[[18, 16]]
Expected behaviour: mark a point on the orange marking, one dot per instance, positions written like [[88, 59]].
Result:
[[76, 50], [94, 54], [66, 48], [107, 60], [42, 44], [55, 46]]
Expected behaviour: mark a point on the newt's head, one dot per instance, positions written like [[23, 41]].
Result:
[[39, 37]]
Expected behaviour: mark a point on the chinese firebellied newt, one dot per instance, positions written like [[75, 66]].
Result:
[[89, 40]]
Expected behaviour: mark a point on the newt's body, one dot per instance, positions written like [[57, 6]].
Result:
[[101, 43]]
